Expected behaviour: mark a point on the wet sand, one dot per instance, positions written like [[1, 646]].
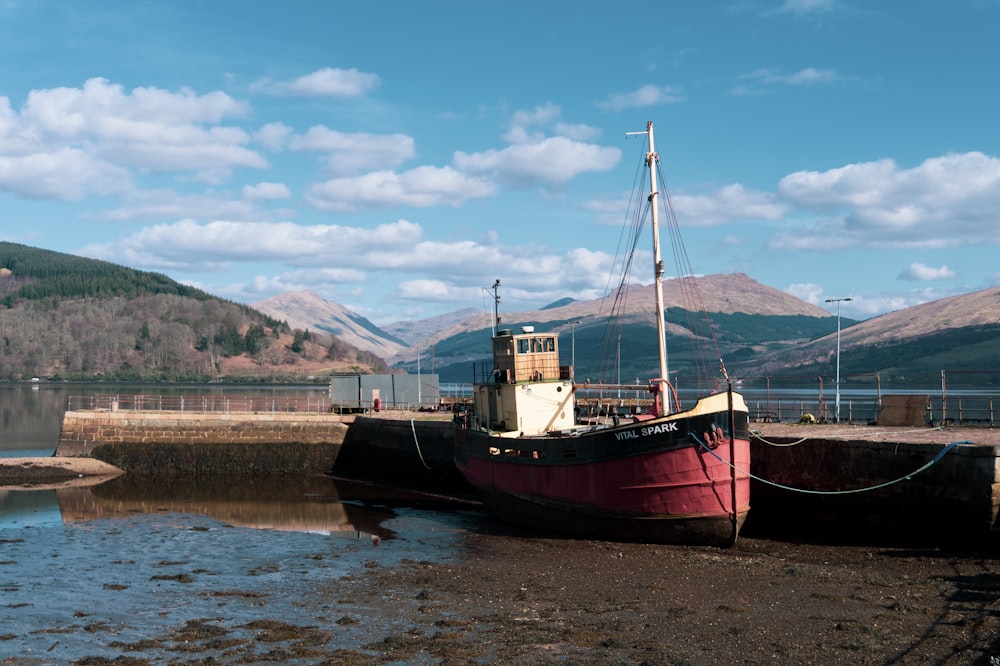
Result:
[[528, 600], [492, 594], [54, 472]]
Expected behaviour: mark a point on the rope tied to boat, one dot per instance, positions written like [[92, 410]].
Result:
[[906, 477], [413, 427]]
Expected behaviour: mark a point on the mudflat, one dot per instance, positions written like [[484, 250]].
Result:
[[53, 471], [492, 594], [531, 600]]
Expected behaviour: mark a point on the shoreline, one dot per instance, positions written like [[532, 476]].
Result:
[[54, 472]]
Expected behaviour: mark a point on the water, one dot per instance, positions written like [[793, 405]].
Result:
[[124, 566], [127, 566]]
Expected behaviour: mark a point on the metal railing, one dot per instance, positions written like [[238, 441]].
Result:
[[200, 403], [946, 409], [983, 411]]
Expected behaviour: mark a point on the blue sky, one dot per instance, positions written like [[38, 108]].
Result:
[[398, 157]]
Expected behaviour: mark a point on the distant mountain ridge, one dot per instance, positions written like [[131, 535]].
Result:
[[307, 310], [761, 330], [414, 331], [751, 312], [72, 317], [960, 333]]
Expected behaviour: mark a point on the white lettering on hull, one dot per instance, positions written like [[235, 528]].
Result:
[[647, 431]]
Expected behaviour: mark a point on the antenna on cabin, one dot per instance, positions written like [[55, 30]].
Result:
[[496, 306]]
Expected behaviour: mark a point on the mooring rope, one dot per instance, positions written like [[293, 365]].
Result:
[[756, 434], [414, 429], [905, 477]]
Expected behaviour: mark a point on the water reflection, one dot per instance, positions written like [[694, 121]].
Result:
[[306, 504], [29, 508]]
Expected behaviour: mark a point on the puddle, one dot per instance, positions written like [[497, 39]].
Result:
[[122, 567]]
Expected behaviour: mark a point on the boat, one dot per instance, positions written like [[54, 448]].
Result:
[[666, 475]]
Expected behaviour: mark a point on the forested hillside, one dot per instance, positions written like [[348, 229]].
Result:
[[28, 273], [66, 317]]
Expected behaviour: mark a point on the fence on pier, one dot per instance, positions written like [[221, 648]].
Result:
[[961, 398]]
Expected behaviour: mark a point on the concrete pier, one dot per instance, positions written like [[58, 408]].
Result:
[[877, 478], [176, 443]]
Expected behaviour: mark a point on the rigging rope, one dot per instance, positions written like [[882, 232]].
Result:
[[905, 477]]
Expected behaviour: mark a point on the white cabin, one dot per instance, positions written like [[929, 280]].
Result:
[[529, 392]]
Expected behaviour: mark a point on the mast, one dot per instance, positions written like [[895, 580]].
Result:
[[652, 159], [660, 386]]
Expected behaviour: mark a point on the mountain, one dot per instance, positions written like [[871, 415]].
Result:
[[560, 303], [747, 317], [760, 332], [959, 333], [414, 331], [69, 317], [306, 310]]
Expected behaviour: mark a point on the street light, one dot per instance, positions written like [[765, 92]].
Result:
[[836, 412], [572, 358]]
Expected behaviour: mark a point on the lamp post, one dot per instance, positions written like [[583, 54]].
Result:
[[572, 353], [836, 408]]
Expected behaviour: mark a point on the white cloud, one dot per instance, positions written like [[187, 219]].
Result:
[[577, 132], [430, 290], [429, 269], [104, 109], [168, 204], [647, 95], [858, 307], [543, 115], [806, 76], [356, 152], [807, 291], [763, 80], [65, 174], [728, 203], [66, 143], [273, 136], [943, 202], [318, 279], [421, 187], [801, 7], [266, 191], [325, 82], [188, 244], [925, 273], [553, 161]]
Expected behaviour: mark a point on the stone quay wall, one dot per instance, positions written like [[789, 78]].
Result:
[[872, 483], [165, 443]]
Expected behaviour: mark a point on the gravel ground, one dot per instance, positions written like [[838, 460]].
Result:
[[516, 598], [528, 600]]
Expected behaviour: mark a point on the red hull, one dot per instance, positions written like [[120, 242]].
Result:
[[673, 490]]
